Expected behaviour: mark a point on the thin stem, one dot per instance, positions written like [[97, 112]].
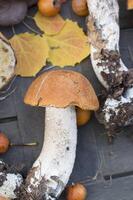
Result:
[[47, 68], [25, 145], [13, 30], [31, 29], [9, 94], [29, 17]]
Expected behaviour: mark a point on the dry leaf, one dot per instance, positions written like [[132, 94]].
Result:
[[31, 52], [69, 47], [50, 25]]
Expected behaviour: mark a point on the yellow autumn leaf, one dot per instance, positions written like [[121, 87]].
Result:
[[68, 47], [50, 25], [31, 52]]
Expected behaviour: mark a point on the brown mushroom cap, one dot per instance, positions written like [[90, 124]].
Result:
[[62, 88]]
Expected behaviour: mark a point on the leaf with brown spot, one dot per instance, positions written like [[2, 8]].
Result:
[[50, 25]]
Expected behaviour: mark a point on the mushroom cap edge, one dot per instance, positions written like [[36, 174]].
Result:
[[62, 88]]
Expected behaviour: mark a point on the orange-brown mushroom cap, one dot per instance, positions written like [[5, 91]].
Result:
[[62, 88]]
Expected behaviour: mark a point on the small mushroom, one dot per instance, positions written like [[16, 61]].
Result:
[[59, 91], [12, 12]]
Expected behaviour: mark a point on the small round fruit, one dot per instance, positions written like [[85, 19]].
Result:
[[4, 143], [49, 8], [83, 116], [80, 7], [76, 192]]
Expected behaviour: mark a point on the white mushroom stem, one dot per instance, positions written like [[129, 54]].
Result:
[[51, 171], [104, 36]]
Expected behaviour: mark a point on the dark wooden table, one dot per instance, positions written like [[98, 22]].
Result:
[[106, 170]]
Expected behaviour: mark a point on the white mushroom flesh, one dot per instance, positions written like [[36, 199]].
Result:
[[52, 169], [10, 185]]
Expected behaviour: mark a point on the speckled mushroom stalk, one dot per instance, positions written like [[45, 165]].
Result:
[[55, 162], [104, 33], [59, 91], [9, 182]]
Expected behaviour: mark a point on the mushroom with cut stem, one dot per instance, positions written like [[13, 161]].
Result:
[[103, 29], [59, 91]]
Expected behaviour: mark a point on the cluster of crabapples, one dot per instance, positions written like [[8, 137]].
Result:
[[47, 8], [51, 8]]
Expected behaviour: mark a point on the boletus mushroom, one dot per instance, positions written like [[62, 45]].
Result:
[[7, 62], [59, 91], [12, 12]]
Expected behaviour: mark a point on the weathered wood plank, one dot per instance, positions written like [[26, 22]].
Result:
[[15, 155], [7, 105], [117, 157], [126, 16], [120, 189], [126, 47]]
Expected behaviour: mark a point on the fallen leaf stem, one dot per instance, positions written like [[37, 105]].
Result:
[[7, 95], [31, 29], [26, 145], [29, 17], [13, 30]]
